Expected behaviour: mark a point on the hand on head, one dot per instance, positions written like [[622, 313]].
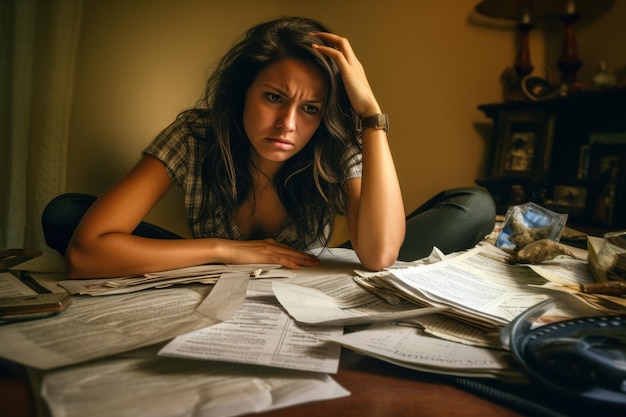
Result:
[[352, 72]]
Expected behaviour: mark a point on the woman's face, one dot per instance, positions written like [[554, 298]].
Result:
[[283, 109]]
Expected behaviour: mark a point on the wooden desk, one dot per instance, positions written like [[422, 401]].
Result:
[[378, 389]]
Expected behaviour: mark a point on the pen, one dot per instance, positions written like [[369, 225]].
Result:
[[609, 288], [32, 283]]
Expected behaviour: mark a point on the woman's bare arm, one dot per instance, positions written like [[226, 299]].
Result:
[[375, 213], [376, 218], [103, 244]]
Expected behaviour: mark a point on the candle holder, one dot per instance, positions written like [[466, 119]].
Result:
[[569, 63], [569, 11]]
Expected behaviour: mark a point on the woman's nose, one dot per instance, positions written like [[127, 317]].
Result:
[[287, 119]]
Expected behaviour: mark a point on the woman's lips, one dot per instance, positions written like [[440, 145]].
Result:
[[281, 143]]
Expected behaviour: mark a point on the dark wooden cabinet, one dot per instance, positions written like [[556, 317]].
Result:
[[565, 153]]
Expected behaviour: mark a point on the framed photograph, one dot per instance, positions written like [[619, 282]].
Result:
[[569, 196], [568, 199], [524, 145], [607, 178]]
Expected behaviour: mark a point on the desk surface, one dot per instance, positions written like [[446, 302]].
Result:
[[381, 389], [377, 389]]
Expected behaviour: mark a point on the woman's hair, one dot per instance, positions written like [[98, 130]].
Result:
[[311, 184]]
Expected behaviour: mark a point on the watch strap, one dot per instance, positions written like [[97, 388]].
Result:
[[376, 121]]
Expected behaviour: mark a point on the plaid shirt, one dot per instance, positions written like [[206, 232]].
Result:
[[182, 155]]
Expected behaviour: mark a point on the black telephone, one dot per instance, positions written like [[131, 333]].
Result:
[[26, 307], [583, 358]]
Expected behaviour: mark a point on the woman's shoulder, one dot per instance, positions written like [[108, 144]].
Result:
[[190, 126], [194, 120], [182, 145], [187, 134]]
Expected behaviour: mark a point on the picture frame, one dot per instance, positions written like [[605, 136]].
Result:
[[523, 145], [607, 184], [568, 199], [569, 196]]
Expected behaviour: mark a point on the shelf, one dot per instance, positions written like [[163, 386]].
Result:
[[570, 146]]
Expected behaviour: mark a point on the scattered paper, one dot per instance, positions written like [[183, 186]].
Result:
[[151, 386], [454, 330], [226, 297], [261, 333], [410, 348], [92, 328], [564, 271], [312, 306]]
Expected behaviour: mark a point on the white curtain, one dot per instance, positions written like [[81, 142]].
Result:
[[38, 47]]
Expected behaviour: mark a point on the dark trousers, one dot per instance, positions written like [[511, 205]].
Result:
[[453, 220]]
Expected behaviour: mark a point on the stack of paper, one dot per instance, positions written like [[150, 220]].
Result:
[[477, 286], [202, 274]]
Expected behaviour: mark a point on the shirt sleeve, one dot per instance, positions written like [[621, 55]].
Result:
[[172, 147], [355, 166]]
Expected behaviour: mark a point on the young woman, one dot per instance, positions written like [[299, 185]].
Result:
[[289, 134]]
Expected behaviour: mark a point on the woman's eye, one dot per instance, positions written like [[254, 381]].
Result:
[[311, 109], [274, 98]]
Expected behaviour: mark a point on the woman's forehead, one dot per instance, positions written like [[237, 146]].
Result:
[[294, 76]]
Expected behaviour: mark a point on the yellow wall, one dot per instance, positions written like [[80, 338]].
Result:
[[431, 63]]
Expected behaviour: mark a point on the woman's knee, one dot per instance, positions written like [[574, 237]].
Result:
[[479, 209], [454, 220], [483, 216], [61, 216]]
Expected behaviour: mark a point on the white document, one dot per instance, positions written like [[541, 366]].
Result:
[[92, 328], [478, 284], [329, 295], [458, 331], [153, 386], [352, 305], [226, 296], [565, 271], [261, 333], [408, 347]]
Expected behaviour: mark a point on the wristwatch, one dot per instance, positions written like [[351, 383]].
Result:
[[376, 121]]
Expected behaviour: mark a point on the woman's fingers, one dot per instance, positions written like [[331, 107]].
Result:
[[355, 80], [267, 251], [339, 43]]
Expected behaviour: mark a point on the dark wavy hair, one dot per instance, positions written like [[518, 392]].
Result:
[[311, 184]]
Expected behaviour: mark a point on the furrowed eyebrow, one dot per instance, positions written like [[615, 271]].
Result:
[[284, 93]]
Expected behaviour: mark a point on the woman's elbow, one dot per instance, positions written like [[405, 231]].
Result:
[[74, 263], [379, 260]]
